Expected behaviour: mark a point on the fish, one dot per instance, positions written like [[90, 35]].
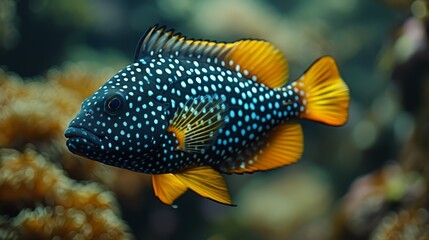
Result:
[[187, 111]]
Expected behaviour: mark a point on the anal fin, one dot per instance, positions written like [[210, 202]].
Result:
[[282, 145]]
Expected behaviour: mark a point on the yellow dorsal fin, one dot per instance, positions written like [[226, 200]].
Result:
[[197, 124], [253, 59], [168, 187], [258, 60], [207, 182], [283, 145]]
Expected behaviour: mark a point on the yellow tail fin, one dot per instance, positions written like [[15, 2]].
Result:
[[326, 96]]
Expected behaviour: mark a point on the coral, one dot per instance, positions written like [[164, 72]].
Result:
[[34, 112], [40, 121], [372, 196], [69, 209], [407, 224], [82, 79]]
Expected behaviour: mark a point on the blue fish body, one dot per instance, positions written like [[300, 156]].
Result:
[[186, 110]]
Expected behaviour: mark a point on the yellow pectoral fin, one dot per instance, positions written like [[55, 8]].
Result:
[[168, 187], [207, 182], [197, 124]]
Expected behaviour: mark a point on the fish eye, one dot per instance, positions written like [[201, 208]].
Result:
[[114, 103]]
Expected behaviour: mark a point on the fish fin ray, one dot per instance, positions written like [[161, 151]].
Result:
[[326, 94], [206, 182], [282, 145], [197, 124], [254, 59], [159, 40], [258, 59], [168, 187]]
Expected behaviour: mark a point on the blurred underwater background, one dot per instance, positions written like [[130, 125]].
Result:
[[366, 180]]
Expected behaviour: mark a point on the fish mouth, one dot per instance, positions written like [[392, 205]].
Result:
[[81, 141]]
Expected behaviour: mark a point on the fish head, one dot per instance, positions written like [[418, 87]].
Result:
[[118, 124]]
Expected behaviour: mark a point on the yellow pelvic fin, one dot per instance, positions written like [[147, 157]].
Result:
[[204, 180], [168, 187], [282, 145], [207, 182], [197, 124], [326, 96], [258, 59]]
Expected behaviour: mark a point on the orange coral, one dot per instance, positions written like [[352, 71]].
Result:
[[34, 112], [80, 79], [30, 114], [71, 209], [71, 223]]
